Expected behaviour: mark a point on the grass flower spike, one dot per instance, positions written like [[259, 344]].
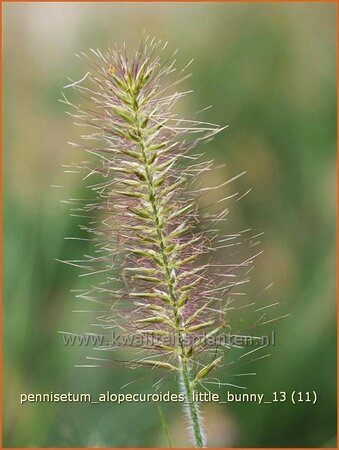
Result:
[[155, 248]]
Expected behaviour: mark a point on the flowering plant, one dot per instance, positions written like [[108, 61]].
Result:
[[155, 248]]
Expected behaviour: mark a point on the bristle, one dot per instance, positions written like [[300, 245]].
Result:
[[171, 289]]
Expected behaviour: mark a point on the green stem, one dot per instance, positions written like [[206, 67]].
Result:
[[192, 407], [164, 425]]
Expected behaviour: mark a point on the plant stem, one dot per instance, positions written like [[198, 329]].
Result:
[[164, 425], [192, 406], [192, 410]]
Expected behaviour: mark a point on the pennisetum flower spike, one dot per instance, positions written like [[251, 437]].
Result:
[[152, 250]]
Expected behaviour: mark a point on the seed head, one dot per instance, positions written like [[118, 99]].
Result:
[[156, 251]]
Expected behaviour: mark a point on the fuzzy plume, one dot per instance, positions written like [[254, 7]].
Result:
[[155, 249]]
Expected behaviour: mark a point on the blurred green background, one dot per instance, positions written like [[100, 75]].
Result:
[[269, 72]]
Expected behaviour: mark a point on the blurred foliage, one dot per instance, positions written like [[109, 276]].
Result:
[[269, 71]]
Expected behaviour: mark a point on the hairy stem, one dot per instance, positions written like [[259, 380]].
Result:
[[192, 407], [169, 280]]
